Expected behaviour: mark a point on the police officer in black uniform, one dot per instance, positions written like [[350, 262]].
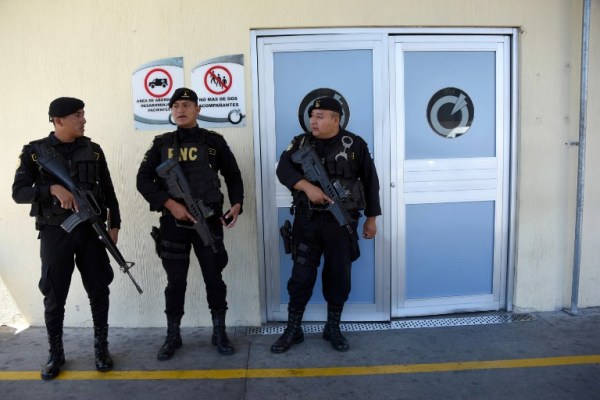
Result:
[[315, 232], [51, 203], [201, 154]]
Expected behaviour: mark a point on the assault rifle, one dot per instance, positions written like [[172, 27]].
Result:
[[171, 172], [89, 210], [307, 157]]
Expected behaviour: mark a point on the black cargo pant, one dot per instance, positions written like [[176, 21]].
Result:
[[319, 234], [60, 253], [176, 244]]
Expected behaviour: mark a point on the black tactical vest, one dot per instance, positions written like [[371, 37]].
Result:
[[195, 158], [84, 172], [341, 165]]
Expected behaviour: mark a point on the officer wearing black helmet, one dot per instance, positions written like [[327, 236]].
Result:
[[51, 203], [315, 232], [201, 154]]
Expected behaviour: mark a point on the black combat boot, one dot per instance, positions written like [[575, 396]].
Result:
[[56, 358], [219, 336], [172, 342], [104, 361], [293, 333], [332, 332]]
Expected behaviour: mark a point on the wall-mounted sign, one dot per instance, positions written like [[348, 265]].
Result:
[[219, 83], [308, 100], [450, 112], [153, 83]]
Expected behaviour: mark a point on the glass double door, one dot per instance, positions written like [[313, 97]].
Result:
[[433, 110]]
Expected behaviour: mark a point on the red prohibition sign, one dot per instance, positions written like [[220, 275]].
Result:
[[168, 83], [212, 77]]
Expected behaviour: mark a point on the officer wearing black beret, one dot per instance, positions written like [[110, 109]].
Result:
[[315, 232], [326, 103], [202, 154], [51, 204]]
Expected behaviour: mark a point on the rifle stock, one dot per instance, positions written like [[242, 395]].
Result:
[[171, 172], [89, 210]]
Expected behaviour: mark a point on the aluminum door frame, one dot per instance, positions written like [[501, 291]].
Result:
[[498, 166], [274, 195], [388, 185]]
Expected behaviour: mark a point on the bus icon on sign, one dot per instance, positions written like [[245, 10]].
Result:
[[158, 82]]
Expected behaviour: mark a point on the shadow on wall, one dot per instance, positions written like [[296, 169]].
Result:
[[10, 314]]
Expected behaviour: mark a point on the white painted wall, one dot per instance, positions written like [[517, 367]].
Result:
[[10, 314], [89, 49]]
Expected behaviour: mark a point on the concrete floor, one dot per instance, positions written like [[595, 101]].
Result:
[[553, 356]]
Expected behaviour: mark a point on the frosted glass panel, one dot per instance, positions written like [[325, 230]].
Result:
[[449, 249], [295, 75], [295, 78], [426, 73]]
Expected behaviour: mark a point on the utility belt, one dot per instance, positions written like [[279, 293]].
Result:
[[54, 220], [304, 210], [161, 243], [310, 211], [292, 246], [352, 199], [216, 207], [51, 213]]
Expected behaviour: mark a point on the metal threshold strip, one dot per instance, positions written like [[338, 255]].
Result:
[[277, 329]]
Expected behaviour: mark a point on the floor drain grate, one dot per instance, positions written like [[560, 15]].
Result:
[[403, 324], [464, 321]]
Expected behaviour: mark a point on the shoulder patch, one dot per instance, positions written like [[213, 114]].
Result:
[[215, 133], [38, 141], [163, 137]]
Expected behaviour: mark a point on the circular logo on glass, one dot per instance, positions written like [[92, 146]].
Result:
[[450, 112], [308, 100]]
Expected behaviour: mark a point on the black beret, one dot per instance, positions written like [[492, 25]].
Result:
[[64, 106], [183, 94], [326, 103]]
